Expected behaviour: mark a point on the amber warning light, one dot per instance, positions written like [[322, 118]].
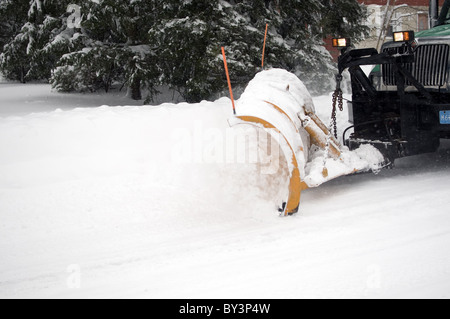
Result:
[[404, 36], [341, 42]]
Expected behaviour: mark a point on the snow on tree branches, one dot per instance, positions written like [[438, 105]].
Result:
[[145, 44]]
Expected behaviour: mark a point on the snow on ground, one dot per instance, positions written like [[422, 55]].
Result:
[[140, 202], [18, 99]]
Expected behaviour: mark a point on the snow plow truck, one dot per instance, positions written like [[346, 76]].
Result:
[[402, 108]]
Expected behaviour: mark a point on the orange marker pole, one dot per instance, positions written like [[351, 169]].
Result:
[[264, 47], [228, 79]]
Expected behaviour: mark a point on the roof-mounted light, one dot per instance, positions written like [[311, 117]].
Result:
[[341, 43], [404, 36]]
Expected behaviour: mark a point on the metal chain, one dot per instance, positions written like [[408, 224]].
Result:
[[338, 101]]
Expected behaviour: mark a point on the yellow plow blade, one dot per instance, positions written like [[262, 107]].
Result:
[[278, 102], [296, 185]]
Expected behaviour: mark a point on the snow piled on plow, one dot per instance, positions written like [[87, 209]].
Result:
[[283, 90], [364, 159]]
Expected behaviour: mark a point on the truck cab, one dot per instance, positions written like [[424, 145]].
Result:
[[403, 106]]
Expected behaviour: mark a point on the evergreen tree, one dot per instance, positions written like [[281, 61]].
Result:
[[189, 34], [92, 45], [295, 38], [187, 43], [344, 18], [296, 33], [114, 49], [37, 47], [13, 15]]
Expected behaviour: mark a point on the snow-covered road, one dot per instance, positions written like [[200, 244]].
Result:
[[96, 202]]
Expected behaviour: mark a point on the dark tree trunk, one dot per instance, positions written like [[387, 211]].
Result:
[[136, 93], [22, 75]]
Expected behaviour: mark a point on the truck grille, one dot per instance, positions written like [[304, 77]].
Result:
[[429, 67]]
